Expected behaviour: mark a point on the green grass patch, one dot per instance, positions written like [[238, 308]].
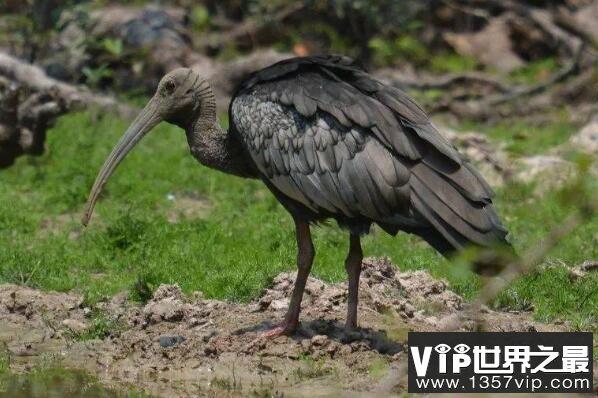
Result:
[[534, 72], [235, 249], [311, 369], [452, 63], [58, 382], [523, 138], [101, 326]]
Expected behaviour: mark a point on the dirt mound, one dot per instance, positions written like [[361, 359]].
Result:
[[178, 346]]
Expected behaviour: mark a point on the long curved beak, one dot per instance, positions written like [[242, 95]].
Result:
[[147, 119]]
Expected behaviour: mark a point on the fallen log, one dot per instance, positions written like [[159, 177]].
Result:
[[30, 102], [75, 97]]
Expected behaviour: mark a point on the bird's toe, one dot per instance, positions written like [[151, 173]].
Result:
[[284, 329]]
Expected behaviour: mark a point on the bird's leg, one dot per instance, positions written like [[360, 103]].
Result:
[[305, 258], [353, 267]]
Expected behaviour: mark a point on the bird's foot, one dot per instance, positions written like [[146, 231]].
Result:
[[283, 329]]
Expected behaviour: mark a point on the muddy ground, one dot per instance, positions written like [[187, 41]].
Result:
[[187, 346]]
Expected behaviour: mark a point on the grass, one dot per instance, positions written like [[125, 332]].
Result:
[[101, 326], [524, 138], [58, 382], [236, 248], [311, 369]]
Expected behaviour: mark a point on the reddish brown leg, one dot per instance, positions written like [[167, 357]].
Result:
[[305, 258], [353, 267]]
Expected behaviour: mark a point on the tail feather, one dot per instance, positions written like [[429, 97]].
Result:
[[458, 211]]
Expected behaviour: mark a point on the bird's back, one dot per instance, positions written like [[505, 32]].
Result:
[[331, 141]]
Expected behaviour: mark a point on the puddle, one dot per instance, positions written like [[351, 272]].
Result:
[[57, 382]]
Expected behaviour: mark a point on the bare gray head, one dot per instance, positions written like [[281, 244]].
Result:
[[182, 98]]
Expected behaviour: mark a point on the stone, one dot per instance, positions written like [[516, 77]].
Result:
[[75, 325], [586, 140], [319, 340], [280, 304], [552, 172], [170, 341], [499, 55], [168, 291]]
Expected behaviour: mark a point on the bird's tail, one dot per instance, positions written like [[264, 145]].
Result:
[[456, 203]]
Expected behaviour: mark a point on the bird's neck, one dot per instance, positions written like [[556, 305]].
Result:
[[211, 145]]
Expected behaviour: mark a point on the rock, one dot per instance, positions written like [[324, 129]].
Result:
[[409, 310], [586, 140], [319, 340], [280, 304], [170, 341], [492, 162], [25, 117], [166, 310], [138, 44], [551, 172], [586, 17], [583, 269], [168, 291], [75, 325], [499, 54]]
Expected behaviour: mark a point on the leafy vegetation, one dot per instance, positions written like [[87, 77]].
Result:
[[58, 382], [131, 245], [521, 137]]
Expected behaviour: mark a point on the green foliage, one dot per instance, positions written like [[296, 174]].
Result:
[[453, 63], [405, 47], [59, 382], [144, 287], [200, 18], [524, 138], [101, 326], [126, 231], [4, 360], [548, 290], [535, 71], [378, 368], [94, 76], [311, 369], [113, 46]]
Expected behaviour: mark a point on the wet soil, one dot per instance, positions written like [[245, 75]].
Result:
[[175, 345]]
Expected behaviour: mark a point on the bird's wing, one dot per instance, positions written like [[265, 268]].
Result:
[[339, 112], [320, 163]]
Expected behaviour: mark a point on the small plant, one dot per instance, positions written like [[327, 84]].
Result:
[[200, 18], [94, 76], [113, 46], [378, 368], [452, 63], [126, 231], [226, 383], [4, 359], [311, 368], [144, 287], [101, 327]]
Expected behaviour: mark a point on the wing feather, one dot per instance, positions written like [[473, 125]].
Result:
[[359, 148]]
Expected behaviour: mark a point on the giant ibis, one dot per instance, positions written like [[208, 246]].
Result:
[[329, 141]]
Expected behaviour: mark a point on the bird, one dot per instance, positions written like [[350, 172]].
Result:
[[331, 143]]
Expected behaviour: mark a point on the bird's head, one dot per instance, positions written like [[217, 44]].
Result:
[[177, 100]]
